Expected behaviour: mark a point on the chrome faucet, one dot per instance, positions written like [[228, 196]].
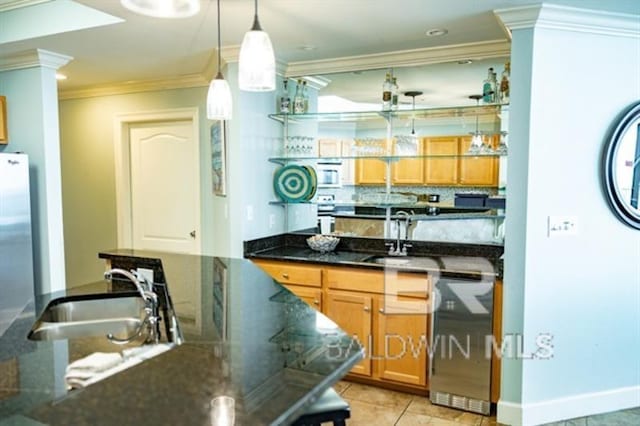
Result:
[[150, 298], [400, 249]]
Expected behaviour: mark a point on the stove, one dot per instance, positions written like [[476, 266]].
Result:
[[326, 204]]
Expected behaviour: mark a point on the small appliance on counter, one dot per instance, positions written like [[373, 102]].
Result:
[[470, 199]]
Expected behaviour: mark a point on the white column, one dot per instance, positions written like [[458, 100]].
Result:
[[28, 80], [573, 72]]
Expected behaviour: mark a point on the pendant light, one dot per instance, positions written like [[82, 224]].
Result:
[[476, 137], [219, 102], [163, 8], [408, 145], [257, 62]]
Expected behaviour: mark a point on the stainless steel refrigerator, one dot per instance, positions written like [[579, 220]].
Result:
[[16, 256]]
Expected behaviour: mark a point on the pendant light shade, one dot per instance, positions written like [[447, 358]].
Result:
[[257, 62], [163, 8], [219, 102]]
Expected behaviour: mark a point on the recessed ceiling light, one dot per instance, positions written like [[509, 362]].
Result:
[[60, 76], [307, 47], [435, 32], [465, 62]]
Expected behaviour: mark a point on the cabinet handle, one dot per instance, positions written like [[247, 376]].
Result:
[[381, 310], [316, 302], [366, 309], [284, 275]]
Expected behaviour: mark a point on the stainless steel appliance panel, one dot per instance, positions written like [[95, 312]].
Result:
[[16, 257], [460, 366]]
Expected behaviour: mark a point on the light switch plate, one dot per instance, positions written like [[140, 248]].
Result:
[[562, 226]]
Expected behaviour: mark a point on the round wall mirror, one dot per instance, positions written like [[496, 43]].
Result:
[[622, 167]]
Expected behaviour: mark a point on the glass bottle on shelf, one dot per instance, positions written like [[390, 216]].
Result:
[[394, 93], [285, 100], [386, 92], [489, 88], [504, 83], [305, 97], [298, 100]]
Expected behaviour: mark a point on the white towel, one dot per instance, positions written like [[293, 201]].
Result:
[[96, 362]]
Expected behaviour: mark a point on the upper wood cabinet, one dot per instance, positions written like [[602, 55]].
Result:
[[441, 171], [479, 170], [4, 135], [443, 163]]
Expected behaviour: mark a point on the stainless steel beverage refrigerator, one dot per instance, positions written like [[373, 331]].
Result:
[[16, 256]]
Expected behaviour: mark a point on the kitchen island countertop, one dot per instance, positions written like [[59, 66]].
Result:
[[251, 340]]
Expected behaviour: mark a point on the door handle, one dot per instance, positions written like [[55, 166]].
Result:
[[193, 234]]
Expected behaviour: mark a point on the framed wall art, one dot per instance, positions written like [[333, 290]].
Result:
[[218, 158]]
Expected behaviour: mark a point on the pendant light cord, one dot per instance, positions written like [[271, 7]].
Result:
[[256, 24], [413, 117], [219, 76]]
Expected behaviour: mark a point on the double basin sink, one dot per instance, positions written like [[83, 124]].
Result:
[[116, 314]]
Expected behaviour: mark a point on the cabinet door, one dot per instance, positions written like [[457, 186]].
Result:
[[312, 296], [352, 313], [408, 172], [3, 121], [402, 340], [370, 172], [441, 171], [477, 171]]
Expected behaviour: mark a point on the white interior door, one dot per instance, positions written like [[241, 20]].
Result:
[[165, 182]]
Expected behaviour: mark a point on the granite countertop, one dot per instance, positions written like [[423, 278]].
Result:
[[448, 259], [246, 337]]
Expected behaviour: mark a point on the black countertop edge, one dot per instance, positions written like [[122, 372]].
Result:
[[377, 246], [353, 252]]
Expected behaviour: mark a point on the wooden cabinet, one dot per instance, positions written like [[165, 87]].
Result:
[[370, 171], [4, 137], [352, 313], [312, 296], [456, 169], [402, 340], [394, 307], [387, 311], [441, 171], [477, 171], [443, 163]]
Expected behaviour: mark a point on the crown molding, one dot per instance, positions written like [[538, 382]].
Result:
[[33, 58], [7, 5], [551, 16], [184, 82], [402, 58]]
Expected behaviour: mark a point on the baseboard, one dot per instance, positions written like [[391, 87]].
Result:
[[554, 410]]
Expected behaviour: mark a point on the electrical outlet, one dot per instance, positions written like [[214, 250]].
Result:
[[272, 220], [562, 225]]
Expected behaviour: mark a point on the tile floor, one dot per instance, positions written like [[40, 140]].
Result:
[[372, 406]]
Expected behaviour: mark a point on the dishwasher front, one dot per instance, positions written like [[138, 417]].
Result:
[[460, 374]]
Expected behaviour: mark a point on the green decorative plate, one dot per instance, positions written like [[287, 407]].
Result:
[[293, 183]]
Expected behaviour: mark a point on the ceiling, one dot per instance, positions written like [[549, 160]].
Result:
[[141, 48]]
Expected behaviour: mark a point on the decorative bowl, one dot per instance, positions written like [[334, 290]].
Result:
[[323, 243]]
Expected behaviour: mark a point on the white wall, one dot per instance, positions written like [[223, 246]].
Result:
[[584, 290], [32, 119]]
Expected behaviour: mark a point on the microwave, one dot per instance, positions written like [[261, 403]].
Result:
[[329, 174]]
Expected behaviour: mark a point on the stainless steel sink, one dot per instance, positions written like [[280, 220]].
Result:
[[90, 315], [406, 261]]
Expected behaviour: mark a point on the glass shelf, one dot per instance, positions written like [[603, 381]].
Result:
[[492, 110], [287, 159]]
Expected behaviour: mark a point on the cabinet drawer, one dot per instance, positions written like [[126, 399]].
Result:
[[355, 279], [289, 273], [406, 284]]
